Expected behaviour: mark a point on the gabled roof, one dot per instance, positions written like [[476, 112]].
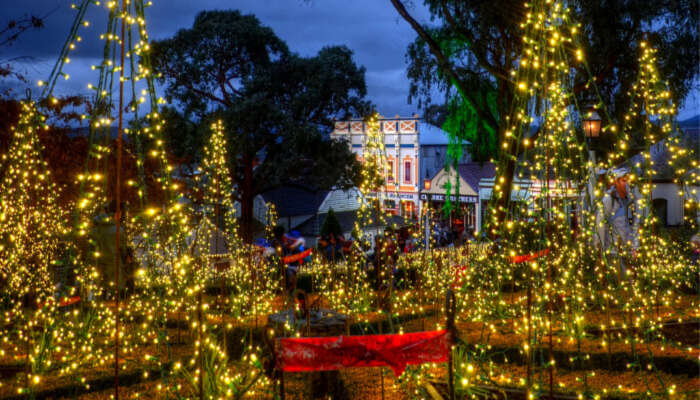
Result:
[[295, 200], [312, 226], [470, 174], [660, 156], [473, 172]]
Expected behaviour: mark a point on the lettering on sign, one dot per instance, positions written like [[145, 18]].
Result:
[[453, 198], [394, 195]]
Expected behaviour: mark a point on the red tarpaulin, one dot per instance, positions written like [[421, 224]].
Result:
[[296, 257], [338, 352], [528, 257], [65, 302]]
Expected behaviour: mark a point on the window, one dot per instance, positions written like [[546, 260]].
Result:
[[390, 172], [407, 172], [390, 204]]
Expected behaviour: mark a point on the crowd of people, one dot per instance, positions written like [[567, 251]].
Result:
[[445, 235]]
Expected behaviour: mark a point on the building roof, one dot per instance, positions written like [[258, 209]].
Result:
[[295, 200], [473, 172], [660, 156], [312, 226], [470, 174], [663, 171], [429, 134], [692, 122]]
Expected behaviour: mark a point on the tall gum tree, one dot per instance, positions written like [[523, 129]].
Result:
[[470, 48], [277, 106]]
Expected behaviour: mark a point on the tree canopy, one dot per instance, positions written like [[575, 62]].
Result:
[[331, 225], [470, 49], [277, 106]]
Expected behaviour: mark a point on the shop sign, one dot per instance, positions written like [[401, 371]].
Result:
[[453, 198], [394, 195]]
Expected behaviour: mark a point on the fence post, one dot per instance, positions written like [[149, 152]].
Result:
[[282, 384], [450, 308]]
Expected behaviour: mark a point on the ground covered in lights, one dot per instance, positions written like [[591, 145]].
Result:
[[495, 365]]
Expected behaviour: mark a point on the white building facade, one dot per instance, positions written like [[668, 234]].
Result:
[[401, 143]]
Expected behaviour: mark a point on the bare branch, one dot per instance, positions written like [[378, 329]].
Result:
[[444, 63]]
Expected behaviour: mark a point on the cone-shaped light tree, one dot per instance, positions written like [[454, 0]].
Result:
[[31, 222]]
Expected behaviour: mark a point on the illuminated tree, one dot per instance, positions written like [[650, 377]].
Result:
[[474, 47], [218, 191], [31, 222], [33, 227]]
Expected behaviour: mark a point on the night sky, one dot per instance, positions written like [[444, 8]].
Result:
[[371, 28]]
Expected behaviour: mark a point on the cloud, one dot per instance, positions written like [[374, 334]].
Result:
[[371, 28]]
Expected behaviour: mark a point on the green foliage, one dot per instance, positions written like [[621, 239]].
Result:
[[463, 124], [331, 225], [480, 41], [207, 64]]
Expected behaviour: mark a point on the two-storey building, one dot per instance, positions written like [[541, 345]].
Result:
[[401, 143]]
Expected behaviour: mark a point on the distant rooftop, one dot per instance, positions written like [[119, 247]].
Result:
[[428, 134], [692, 122], [473, 172], [295, 200], [431, 134]]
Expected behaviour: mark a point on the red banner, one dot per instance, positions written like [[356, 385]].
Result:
[[296, 257], [339, 352], [527, 257]]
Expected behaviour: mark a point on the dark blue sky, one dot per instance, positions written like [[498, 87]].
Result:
[[371, 28]]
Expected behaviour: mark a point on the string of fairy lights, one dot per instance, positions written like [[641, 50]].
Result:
[[193, 315]]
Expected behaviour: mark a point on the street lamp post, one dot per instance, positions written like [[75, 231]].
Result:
[[591, 125], [591, 129]]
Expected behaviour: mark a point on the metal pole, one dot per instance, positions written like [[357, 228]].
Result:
[[551, 287], [282, 386], [591, 180], [450, 310], [118, 211]]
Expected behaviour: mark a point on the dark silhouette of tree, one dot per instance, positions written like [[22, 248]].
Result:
[[277, 106], [331, 225]]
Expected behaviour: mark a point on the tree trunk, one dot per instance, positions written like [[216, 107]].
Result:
[[508, 156], [247, 199], [507, 172], [505, 98]]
